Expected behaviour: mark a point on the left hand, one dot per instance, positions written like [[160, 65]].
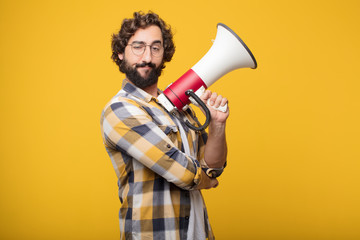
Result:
[[215, 101]]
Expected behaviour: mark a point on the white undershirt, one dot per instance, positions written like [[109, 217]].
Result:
[[196, 230]]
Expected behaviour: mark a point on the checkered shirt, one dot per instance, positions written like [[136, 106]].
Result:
[[154, 174]]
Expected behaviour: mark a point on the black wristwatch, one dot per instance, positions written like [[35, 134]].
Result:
[[213, 172]]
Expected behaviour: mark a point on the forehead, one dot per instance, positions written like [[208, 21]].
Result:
[[147, 35]]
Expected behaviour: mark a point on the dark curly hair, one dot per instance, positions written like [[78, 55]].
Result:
[[131, 25]]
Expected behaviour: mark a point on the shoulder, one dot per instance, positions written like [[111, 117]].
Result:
[[123, 105]]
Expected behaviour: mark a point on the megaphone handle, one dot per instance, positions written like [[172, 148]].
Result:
[[191, 93]]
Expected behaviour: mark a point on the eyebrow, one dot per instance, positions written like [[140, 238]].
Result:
[[142, 42]]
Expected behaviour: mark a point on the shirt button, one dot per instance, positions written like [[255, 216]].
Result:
[[187, 218], [168, 146]]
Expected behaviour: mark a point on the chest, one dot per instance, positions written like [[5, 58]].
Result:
[[173, 125]]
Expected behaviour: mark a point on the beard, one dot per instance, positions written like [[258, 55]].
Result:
[[133, 75]]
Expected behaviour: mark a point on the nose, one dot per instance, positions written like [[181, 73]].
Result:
[[146, 57]]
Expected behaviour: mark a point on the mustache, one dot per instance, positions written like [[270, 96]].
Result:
[[144, 64]]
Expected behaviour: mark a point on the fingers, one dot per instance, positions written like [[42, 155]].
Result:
[[217, 100], [213, 183], [206, 95], [213, 99], [206, 182]]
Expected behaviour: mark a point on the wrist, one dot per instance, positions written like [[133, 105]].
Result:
[[217, 127]]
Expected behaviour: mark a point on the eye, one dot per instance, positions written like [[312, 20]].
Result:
[[156, 48], [138, 46]]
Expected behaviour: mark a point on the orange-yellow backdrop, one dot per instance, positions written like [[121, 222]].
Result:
[[293, 167]]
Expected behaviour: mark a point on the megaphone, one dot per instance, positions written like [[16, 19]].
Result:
[[227, 53]]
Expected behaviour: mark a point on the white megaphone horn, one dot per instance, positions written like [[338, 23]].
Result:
[[227, 53]]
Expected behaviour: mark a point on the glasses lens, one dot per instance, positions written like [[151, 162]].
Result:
[[157, 49], [138, 48]]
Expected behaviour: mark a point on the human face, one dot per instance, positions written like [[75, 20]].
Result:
[[149, 36]]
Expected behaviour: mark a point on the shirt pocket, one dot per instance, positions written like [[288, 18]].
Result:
[[171, 131]]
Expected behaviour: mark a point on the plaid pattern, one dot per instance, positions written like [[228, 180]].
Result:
[[154, 174]]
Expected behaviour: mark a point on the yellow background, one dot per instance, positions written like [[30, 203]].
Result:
[[293, 134]]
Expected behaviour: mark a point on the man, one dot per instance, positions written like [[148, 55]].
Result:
[[160, 163]]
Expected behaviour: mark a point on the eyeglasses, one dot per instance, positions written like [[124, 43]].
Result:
[[138, 48]]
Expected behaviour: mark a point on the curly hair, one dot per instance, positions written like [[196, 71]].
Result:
[[130, 26]]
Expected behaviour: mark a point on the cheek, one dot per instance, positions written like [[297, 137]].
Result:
[[157, 62], [132, 60], [130, 57]]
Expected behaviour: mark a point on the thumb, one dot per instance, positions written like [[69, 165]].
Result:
[[206, 95], [214, 183]]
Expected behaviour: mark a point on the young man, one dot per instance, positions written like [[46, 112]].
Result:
[[160, 163]]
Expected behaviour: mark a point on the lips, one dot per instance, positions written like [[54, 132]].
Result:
[[146, 68], [145, 65]]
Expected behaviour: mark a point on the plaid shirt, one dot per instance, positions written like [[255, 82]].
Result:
[[154, 174]]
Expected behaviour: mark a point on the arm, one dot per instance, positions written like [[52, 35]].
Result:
[[127, 128], [216, 147]]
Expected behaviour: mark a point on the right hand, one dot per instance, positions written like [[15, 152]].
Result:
[[214, 101]]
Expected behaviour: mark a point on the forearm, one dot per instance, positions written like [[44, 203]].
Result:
[[216, 148]]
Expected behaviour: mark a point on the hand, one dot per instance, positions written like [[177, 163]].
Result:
[[206, 182], [215, 101]]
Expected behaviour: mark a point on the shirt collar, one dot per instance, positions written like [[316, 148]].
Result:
[[130, 88]]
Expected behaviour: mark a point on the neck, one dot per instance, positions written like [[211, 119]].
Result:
[[152, 90]]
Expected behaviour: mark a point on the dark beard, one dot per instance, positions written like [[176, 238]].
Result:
[[133, 75]]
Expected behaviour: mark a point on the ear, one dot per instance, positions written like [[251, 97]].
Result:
[[121, 56]]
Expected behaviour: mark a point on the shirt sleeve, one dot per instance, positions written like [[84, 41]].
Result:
[[128, 128]]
